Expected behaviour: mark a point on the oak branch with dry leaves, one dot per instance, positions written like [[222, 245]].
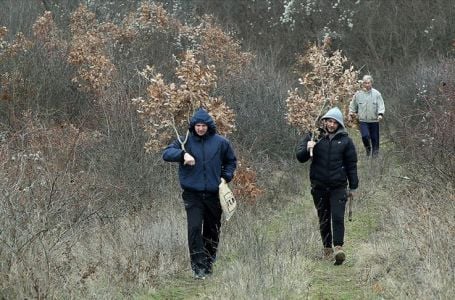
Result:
[[168, 107], [328, 83]]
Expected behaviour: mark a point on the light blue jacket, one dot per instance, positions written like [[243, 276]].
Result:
[[367, 105]]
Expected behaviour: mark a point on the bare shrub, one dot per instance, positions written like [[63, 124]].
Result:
[[219, 48], [46, 201], [66, 218], [11, 79], [257, 98], [423, 121]]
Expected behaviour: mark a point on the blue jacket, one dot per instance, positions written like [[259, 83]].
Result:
[[213, 154]]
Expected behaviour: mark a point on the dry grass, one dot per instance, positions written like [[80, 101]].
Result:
[[87, 214], [411, 256], [397, 246]]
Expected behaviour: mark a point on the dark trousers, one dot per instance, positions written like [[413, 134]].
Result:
[[330, 205], [203, 211], [370, 137]]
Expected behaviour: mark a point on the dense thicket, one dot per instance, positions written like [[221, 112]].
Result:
[[80, 66], [72, 153], [383, 38]]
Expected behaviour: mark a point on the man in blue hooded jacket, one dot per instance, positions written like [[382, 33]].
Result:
[[333, 169], [207, 158]]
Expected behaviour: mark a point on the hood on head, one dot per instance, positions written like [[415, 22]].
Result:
[[334, 113], [202, 116]]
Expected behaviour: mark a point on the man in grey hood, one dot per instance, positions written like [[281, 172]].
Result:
[[333, 169]]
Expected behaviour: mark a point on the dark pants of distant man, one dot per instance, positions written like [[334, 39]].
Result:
[[370, 137], [203, 212]]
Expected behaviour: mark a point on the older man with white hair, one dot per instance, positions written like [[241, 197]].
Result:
[[368, 106]]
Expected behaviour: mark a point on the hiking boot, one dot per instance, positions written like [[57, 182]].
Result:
[[209, 264], [327, 253], [209, 269], [199, 274], [340, 256]]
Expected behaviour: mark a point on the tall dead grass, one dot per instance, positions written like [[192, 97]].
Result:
[[411, 257], [86, 214]]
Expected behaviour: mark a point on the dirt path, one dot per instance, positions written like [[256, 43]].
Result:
[[289, 234], [345, 281], [323, 280]]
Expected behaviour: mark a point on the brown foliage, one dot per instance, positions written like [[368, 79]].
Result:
[[245, 182], [153, 15], [45, 30], [10, 49], [169, 106], [88, 52], [211, 43], [90, 41], [328, 83], [219, 48]]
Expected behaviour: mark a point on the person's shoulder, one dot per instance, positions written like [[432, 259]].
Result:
[[375, 91], [344, 135], [347, 141], [220, 138]]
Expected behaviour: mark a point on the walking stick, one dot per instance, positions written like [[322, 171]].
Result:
[[350, 197]]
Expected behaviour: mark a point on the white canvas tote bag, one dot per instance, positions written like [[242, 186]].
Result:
[[227, 200]]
